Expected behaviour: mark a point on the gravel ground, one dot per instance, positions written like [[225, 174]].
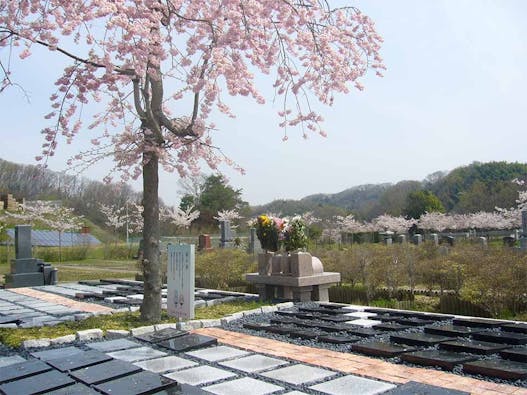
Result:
[[237, 326]]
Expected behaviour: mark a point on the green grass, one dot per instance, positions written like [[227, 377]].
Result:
[[13, 337]]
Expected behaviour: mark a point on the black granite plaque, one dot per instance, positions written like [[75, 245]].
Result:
[[305, 323], [419, 339], [320, 310], [162, 335], [338, 339], [390, 327], [415, 388], [472, 346], [138, 383], [104, 371], [286, 313], [189, 342], [285, 321], [413, 321], [331, 328], [336, 306], [47, 355], [22, 369], [337, 318], [37, 384], [381, 349], [452, 330], [305, 334], [362, 332], [386, 318], [443, 359], [503, 369], [77, 361], [256, 327], [520, 328], [478, 322], [281, 329], [515, 354], [501, 337], [76, 389]]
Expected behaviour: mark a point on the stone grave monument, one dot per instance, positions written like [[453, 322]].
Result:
[[180, 281], [298, 276], [27, 271], [523, 237], [226, 234]]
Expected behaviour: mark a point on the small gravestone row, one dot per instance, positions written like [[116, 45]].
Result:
[[419, 338]]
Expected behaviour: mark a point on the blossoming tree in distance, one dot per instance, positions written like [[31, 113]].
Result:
[[158, 68]]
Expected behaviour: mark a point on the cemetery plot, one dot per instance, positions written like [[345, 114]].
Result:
[[78, 361], [45, 382], [138, 383], [419, 339], [503, 369], [391, 327], [478, 322], [452, 330], [338, 339], [501, 337], [444, 359], [162, 335], [188, 342], [105, 371], [381, 349], [515, 354], [472, 346]]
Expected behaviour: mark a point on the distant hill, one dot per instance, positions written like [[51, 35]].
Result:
[[471, 188]]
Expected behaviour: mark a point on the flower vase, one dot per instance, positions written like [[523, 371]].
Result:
[[265, 263]]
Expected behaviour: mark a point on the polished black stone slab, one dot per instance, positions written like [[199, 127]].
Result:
[[415, 388], [285, 321], [256, 327], [307, 316], [452, 330], [520, 328], [305, 323], [503, 369], [443, 359], [37, 384], [332, 327], [478, 322], [77, 361], [362, 332], [162, 335], [515, 354], [138, 383], [321, 310], [338, 339], [75, 389], [390, 327], [413, 321], [336, 318], [22, 369], [281, 330], [419, 339], [336, 306], [386, 318], [104, 371], [188, 342], [48, 355], [306, 334], [472, 346], [381, 349], [501, 337], [286, 313]]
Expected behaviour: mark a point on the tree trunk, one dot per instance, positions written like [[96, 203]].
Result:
[[151, 306]]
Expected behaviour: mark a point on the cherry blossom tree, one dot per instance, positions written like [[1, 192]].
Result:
[[179, 217], [228, 215], [160, 67]]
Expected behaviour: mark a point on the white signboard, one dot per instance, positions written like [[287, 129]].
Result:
[[180, 280]]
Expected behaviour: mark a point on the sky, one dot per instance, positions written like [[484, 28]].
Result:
[[454, 92]]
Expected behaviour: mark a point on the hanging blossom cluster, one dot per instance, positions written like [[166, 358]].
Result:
[[122, 54]]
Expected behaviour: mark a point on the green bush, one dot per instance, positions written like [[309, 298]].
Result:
[[223, 268], [63, 254]]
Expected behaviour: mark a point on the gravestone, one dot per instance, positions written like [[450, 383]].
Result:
[[482, 241], [252, 241], [27, 271], [226, 234], [444, 359], [509, 241], [204, 243], [180, 281], [435, 239], [472, 347], [417, 239], [401, 239], [381, 349], [501, 337], [503, 369], [419, 339]]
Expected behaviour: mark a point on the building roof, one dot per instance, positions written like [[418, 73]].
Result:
[[52, 238]]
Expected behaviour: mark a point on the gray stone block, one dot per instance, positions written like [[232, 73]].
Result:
[[63, 339], [142, 330], [299, 374], [89, 334], [218, 353], [165, 364], [7, 361], [342, 386], [36, 343], [23, 241], [137, 354], [254, 363], [243, 386], [26, 265], [200, 375], [116, 333], [113, 345], [24, 280]]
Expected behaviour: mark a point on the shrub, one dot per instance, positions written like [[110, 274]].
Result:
[[223, 268]]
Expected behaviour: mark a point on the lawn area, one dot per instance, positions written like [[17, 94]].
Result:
[[13, 337], [90, 269]]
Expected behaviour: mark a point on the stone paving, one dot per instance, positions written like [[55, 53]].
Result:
[[155, 361]]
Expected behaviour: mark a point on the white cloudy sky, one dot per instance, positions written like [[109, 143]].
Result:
[[454, 93]]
